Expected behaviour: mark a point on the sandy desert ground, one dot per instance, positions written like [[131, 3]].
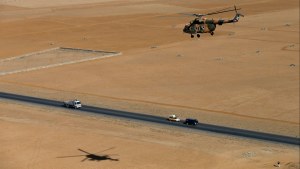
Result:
[[245, 76]]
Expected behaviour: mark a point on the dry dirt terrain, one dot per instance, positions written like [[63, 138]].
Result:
[[245, 76]]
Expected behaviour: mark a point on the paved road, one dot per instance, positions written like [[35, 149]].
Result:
[[158, 119]]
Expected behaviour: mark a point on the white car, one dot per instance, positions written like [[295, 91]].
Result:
[[76, 104], [173, 117]]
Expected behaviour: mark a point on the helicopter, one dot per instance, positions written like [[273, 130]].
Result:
[[203, 25], [93, 157]]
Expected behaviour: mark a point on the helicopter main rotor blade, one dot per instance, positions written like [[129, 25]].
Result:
[[225, 9], [84, 159], [83, 151], [112, 154], [213, 13], [186, 14], [229, 9], [70, 156], [107, 149]]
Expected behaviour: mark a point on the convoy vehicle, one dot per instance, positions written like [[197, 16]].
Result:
[[173, 117], [76, 104], [191, 121]]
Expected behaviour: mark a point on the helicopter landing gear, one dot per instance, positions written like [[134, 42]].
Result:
[[192, 36], [198, 35], [212, 33]]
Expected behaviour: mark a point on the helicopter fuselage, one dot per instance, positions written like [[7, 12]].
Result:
[[199, 28]]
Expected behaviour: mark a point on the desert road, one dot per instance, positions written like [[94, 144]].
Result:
[[158, 119]]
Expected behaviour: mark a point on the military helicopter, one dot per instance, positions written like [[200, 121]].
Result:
[[204, 25], [93, 157]]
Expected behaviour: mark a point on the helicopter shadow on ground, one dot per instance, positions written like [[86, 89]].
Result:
[[94, 157]]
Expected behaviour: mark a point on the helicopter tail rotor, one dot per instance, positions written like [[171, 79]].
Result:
[[237, 17]]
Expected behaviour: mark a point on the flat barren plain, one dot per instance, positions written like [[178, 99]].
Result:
[[245, 76]]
